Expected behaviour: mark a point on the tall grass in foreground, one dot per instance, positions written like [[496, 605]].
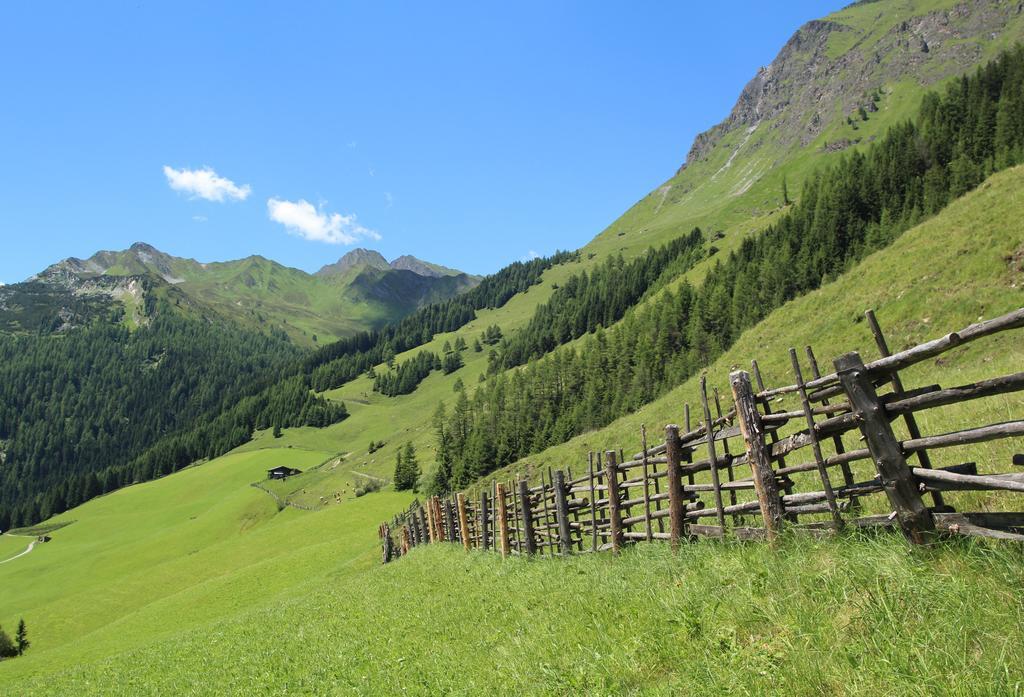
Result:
[[864, 615]]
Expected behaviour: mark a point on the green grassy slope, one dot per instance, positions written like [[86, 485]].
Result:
[[197, 573], [156, 559]]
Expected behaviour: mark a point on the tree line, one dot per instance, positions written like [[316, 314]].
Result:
[[862, 203]]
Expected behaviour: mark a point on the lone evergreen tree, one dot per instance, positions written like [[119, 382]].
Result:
[[21, 638], [407, 469], [785, 192], [277, 430]]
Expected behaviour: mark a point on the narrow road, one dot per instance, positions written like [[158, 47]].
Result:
[[31, 545]]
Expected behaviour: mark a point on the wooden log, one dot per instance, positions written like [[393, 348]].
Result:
[[961, 524], [897, 361], [897, 386], [981, 434], [547, 515], [730, 472], [643, 535], [676, 515], [819, 460], [913, 516], [714, 531], [1011, 521], [424, 533], [460, 501], [562, 512], [593, 505], [757, 452], [614, 514], [967, 482], [712, 457], [502, 519], [483, 518], [515, 514], [529, 542], [647, 485]]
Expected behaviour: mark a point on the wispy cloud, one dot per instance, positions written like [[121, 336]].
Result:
[[205, 183], [389, 199], [305, 220], [531, 255], [200, 218]]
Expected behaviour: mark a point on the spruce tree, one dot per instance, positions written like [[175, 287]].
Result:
[[21, 638]]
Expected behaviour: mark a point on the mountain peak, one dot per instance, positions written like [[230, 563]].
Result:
[[357, 257], [422, 268]]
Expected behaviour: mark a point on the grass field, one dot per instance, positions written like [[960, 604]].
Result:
[[809, 618], [197, 583]]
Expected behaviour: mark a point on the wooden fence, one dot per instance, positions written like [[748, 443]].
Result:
[[735, 472]]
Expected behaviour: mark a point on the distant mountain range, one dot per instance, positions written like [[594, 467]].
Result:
[[358, 292]]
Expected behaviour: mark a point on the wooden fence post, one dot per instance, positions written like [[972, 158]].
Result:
[[503, 541], [424, 534], [676, 505], [562, 512], [484, 527], [414, 523], [529, 542], [449, 524], [460, 502], [913, 516], [709, 427], [614, 512], [757, 452]]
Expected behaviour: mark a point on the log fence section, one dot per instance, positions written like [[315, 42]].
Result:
[[673, 490]]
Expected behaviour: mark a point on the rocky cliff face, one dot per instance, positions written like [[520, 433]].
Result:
[[813, 81]]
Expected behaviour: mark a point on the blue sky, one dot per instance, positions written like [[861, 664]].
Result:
[[469, 134]]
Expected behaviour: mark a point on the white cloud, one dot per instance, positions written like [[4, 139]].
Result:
[[205, 183], [389, 200], [531, 255], [303, 219]]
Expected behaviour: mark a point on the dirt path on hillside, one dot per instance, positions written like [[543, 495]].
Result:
[[31, 546]]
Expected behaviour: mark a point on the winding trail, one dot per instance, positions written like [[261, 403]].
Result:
[[31, 546]]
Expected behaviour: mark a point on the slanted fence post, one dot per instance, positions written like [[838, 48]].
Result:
[[676, 504], [614, 511], [913, 516], [484, 526], [460, 502], [529, 541], [449, 523], [503, 541], [562, 512], [757, 452], [414, 523], [424, 534]]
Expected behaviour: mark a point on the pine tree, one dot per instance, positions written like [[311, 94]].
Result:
[[277, 430], [21, 638]]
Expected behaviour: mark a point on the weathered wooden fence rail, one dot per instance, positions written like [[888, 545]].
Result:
[[735, 472]]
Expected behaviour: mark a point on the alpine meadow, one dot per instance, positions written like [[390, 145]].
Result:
[[763, 434]]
